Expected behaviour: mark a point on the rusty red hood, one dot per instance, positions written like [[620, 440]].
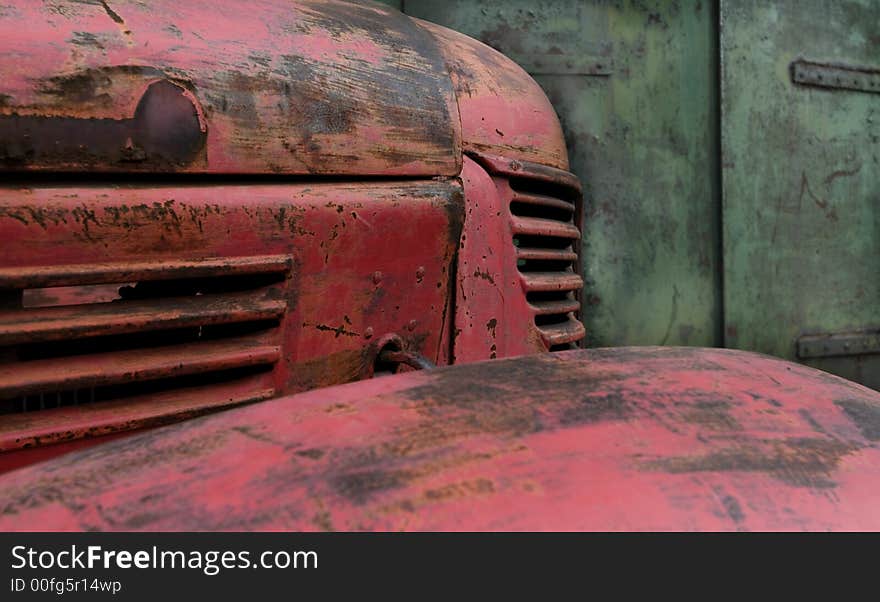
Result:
[[305, 87], [607, 439], [324, 87]]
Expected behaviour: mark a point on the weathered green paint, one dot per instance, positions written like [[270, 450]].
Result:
[[642, 138], [801, 179]]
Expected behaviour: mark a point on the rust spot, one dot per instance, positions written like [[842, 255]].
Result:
[[335, 368], [338, 330], [491, 325], [864, 414], [254, 434], [359, 486], [714, 415], [462, 489], [312, 454], [484, 399], [814, 424], [733, 508], [800, 462], [111, 13], [596, 408], [484, 274], [86, 39], [322, 521]]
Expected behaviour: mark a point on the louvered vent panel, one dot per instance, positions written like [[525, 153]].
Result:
[[543, 210], [134, 343]]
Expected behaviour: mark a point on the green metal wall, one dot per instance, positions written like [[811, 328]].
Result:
[[634, 85], [801, 182]]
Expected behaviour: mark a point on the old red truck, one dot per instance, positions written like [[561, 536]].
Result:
[[210, 205]]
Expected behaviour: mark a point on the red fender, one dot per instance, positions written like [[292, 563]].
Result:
[[603, 439]]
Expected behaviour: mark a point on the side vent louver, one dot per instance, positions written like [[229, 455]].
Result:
[[544, 214], [546, 238], [118, 346]]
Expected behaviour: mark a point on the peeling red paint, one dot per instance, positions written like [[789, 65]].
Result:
[[503, 110], [605, 439], [517, 265], [304, 87], [488, 286], [290, 286], [272, 283]]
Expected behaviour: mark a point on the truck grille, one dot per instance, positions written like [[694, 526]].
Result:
[[545, 206], [546, 239], [175, 338]]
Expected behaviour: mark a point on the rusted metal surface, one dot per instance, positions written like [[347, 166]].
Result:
[[300, 279], [70, 322], [503, 111], [494, 313], [608, 439], [836, 77], [306, 87], [95, 369], [491, 315], [110, 285], [24, 432], [545, 212], [515, 167], [48, 276]]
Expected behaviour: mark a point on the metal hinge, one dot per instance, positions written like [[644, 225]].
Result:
[[838, 344], [840, 77]]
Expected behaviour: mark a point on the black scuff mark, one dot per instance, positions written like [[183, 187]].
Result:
[[865, 415], [112, 14], [798, 462], [337, 330]]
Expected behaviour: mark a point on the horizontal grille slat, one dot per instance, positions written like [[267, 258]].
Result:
[[559, 334], [546, 254], [70, 423], [563, 306], [535, 226], [103, 273], [88, 349], [121, 317], [545, 206], [551, 281], [526, 171], [542, 200], [25, 378]]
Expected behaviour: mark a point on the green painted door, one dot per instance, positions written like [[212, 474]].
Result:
[[801, 181]]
